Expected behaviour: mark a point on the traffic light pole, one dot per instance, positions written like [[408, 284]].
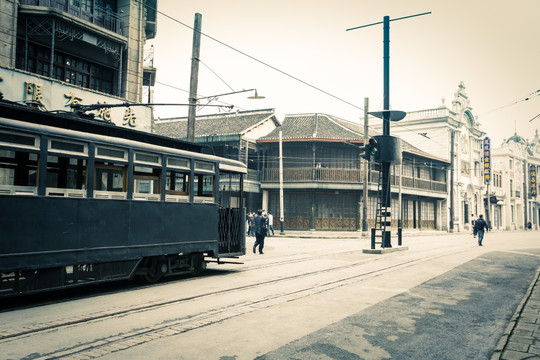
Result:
[[387, 116]]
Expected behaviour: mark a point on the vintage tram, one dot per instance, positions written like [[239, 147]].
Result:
[[85, 201]]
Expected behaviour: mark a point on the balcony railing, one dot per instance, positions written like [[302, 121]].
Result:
[[346, 176], [98, 15]]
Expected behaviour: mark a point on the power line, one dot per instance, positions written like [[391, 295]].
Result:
[[526, 98], [260, 61]]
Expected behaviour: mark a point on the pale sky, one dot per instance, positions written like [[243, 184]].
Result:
[[492, 46]]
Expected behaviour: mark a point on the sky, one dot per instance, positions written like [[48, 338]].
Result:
[[298, 54]]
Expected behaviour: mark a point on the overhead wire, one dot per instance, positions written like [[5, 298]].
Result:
[[423, 134]]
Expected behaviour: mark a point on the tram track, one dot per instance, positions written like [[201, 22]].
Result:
[[186, 323]]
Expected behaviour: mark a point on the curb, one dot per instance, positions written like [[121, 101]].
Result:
[[501, 345]]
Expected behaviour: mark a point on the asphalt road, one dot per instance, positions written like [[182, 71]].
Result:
[[319, 298], [458, 315]]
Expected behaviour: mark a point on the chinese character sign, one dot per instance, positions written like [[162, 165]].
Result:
[[487, 160], [532, 181]]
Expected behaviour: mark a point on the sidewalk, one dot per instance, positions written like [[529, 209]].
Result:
[[318, 234], [521, 339], [331, 234]]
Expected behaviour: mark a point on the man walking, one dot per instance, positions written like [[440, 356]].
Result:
[[270, 224], [480, 226], [260, 231]]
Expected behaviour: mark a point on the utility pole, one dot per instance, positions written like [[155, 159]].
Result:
[[194, 80], [366, 171]]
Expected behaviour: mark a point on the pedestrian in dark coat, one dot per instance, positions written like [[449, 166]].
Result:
[[480, 226], [261, 225]]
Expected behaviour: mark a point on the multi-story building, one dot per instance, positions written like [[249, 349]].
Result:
[[514, 198], [57, 53], [93, 44]]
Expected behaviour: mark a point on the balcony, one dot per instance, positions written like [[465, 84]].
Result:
[[95, 14], [341, 176]]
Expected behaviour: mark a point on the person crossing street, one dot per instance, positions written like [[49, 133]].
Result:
[[480, 227]]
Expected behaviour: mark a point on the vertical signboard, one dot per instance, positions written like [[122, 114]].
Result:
[[532, 181], [487, 160]]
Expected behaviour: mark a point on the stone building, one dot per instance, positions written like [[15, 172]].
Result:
[[514, 197]]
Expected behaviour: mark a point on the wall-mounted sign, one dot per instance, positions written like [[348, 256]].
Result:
[[487, 160], [532, 181], [22, 87]]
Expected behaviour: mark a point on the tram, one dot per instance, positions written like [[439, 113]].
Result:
[[85, 201]]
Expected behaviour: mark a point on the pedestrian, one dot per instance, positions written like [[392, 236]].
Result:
[[260, 231], [529, 226], [270, 224], [480, 226], [251, 224], [473, 222]]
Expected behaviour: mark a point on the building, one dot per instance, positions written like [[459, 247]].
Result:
[[93, 44], [452, 134], [514, 198], [324, 174]]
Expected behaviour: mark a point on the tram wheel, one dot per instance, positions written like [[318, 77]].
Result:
[[157, 267]]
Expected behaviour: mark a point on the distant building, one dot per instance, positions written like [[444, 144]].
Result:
[[514, 197]]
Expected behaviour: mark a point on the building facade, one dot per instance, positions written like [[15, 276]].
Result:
[[324, 175], [514, 198], [94, 44]]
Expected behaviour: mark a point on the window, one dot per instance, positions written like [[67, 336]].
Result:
[[177, 183], [110, 177], [204, 185], [65, 67], [18, 168], [146, 180], [66, 172]]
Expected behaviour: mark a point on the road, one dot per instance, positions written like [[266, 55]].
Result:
[[443, 298]]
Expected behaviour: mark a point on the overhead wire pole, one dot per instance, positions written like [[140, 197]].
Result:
[[387, 115], [194, 79]]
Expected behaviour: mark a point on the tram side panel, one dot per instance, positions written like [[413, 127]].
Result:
[[46, 232]]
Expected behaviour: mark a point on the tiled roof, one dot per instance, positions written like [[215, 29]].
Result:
[[217, 124], [316, 126]]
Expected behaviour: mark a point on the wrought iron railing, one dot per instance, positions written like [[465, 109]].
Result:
[[98, 15]]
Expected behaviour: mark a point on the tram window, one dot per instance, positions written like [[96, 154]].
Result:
[[18, 168], [178, 163], [105, 152], [177, 183], [204, 185], [66, 172], [110, 177], [148, 158], [146, 180]]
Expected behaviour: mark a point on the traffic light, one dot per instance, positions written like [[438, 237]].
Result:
[[371, 149]]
